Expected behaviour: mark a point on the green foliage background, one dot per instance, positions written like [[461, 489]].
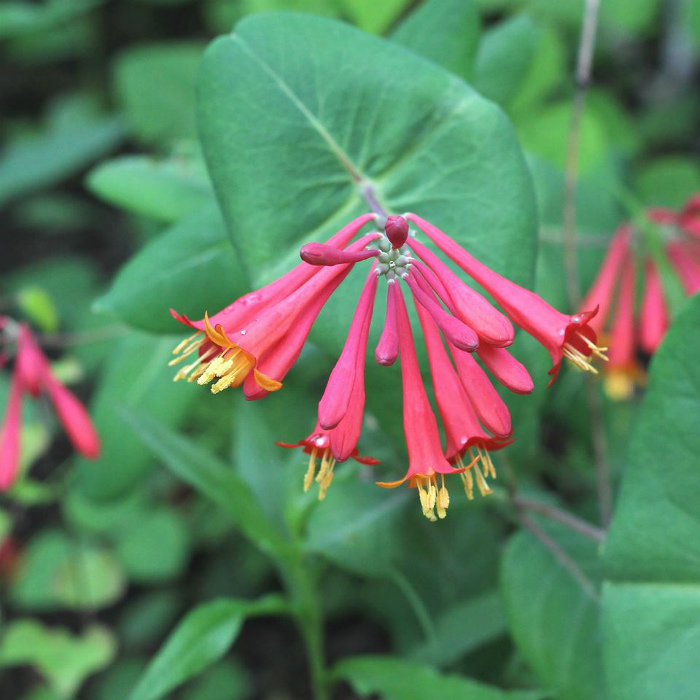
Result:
[[153, 159]]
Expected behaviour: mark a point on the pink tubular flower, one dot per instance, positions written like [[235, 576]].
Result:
[[613, 290], [425, 456], [255, 341], [32, 375], [562, 335]]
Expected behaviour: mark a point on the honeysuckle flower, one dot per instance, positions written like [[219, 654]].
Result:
[[32, 375], [255, 341], [614, 291], [561, 334]]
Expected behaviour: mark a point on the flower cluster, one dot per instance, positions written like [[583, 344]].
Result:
[[615, 290], [32, 375], [255, 341]]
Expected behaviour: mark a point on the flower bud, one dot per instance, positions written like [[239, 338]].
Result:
[[322, 254], [396, 230]]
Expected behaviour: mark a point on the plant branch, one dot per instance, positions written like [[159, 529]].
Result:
[[583, 78], [370, 196], [561, 556], [577, 524]]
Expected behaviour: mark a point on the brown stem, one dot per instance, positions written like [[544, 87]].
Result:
[[577, 524]]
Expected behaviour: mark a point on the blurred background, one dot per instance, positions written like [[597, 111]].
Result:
[[99, 160]]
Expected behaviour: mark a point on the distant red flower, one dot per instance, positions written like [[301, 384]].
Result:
[[256, 340], [32, 375], [631, 329]]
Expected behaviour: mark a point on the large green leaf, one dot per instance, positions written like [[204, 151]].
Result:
[[446, 31], [202, 638], [399, 679], [553, 615], [214, 479], [136, 375], [289, 141], [651, 602], [192, 268]]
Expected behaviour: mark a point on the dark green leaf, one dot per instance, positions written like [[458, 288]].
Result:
[[206, 473], [191, 267]]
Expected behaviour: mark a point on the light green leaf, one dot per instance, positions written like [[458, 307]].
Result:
[[199, 640], [399, 679], [445, 31], [64, 659], [39, 308], [191, 267], [289, 146], [206, 473], [156, 547], [370, 15], [651, 601], [58, 573], [553, 615], [669, 181], [165, 190], [155, 86]]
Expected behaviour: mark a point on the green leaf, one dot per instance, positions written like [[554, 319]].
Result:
[[206, 473], [399, 679], [38, 306], [669, 181], [165, 190], [651, 601], [227, 680], [58, 572], [356, 527], [199, 640], [553, 615], [370, 15], [445, 31], [288, 154], [63, 658], [155, 86], [155, 548], [136, 375], [57, 151], [506, 53], [191, 267], [462, 628]]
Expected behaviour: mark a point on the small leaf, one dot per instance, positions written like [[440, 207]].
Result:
[[37, 305], [64, 659], [164, 190], [400, 679], [445, 31], [199, 640]]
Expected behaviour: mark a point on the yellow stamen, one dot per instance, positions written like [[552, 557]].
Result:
[[182, 343], [484, 488], [579, 359], [443, 499], [326, 481], [309, 476], [597, 351], [468, 481]]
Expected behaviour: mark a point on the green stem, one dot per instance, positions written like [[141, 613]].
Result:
[[301, 586]]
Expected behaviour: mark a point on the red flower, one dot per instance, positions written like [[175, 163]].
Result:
[[614, 291], [258, 347], [32, 375]]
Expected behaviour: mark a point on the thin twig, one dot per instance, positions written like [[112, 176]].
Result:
[[561, 556], [370, 196], [583, 78], [584, 66], [577, 524], [600, 452]]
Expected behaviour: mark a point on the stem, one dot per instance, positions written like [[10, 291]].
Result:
[[600, 451], [577, 524], [583, 78], [370, 196], [301, 586]]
